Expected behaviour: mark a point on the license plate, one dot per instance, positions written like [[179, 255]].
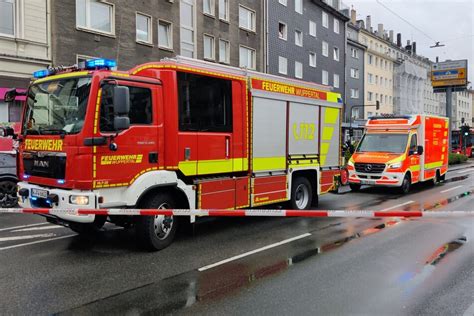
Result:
[[39, 193], [366, 182]]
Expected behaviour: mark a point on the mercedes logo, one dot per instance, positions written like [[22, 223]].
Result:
[[368, 167]]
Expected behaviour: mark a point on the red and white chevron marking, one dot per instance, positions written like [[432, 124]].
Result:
[[238, 213]]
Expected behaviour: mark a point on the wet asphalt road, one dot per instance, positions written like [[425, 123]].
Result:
[[325, 266]]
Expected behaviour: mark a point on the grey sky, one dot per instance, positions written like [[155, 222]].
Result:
[[448, 21]]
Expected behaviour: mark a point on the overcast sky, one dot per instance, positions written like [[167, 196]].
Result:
[[448, 21]]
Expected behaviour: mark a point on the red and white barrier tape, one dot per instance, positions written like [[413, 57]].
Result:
[[238, 213]]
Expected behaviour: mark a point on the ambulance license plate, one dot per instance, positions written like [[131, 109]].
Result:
[[43, 194], [366, 182]]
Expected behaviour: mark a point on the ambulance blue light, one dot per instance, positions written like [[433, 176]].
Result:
[[41, 73], [100, 63], [25, 176], [61, 181]]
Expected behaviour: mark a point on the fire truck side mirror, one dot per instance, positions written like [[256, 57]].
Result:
[[121, 123], [121, 100], [6, 131]]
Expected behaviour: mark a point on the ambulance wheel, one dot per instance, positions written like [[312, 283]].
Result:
[[406, 184], [355, 187], [301, 194], [156, 232]]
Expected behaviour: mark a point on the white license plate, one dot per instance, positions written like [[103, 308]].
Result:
[[366, 182], [39, 193]]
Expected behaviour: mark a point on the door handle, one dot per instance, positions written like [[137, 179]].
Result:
[[227, 146]]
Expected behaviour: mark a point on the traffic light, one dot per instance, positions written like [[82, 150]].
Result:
[[377, 105], [351, 132], [465, 130]]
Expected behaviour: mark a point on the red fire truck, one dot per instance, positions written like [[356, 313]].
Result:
[[179, 133]]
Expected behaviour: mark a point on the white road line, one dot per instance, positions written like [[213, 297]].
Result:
[[452, 189], [465, 171], [38, 228], [23, 226], [252, 252], [469, 311], [26, 237], [396, 206], [37, 242]]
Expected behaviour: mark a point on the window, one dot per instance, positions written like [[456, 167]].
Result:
[[312, 59], [165, 34], [370, 78], [370, 57], [386, 99], [224, 10], [299, 6], [381, 80], [413, 143], [381, 98], [224, 51], [140, 107], [83, 58], [247, 57], [298, 38], [354, 73], [376, 79], [325, 20], [282, 65], [246, 19], [7, 17], [298, 70], [354, 93], [284, 2], [209, 7], [325, 77], [204, 103], [325, 49], [336, 53], [312, 28], [282, 31], [376, 61], [187, 29], [209, 47], [376, 97], [370, 96], [336, 81], [354, 53], [386, 65], [336, 26], [95, 15], [144, 28]]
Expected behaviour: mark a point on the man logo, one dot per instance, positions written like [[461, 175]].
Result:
[[41, 163], [368, 168]]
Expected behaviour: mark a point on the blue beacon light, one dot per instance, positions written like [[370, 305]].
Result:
[[41, 73], [100, 63]]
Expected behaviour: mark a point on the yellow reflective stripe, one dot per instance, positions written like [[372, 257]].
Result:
[[188, 168], [202, 167], [327, 132], [62, 76], [331, 116], [415, 168], [333, 97], [433, 165], [269, 163], [398, 159]]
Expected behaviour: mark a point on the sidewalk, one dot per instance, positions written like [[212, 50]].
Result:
[[468, 164]]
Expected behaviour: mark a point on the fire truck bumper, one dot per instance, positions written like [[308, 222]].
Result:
[[39, 197], [386, 179]]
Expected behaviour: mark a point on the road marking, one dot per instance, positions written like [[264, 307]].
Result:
[[37, 228], [452, 189], [396, 206], [465, 171], [23, 226], [252, 252], [469, 311], [37, 242], [26, 237]]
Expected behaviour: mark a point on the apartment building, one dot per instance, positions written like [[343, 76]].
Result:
[[306, 40], [24, 47], [134, 32], [461, 108]]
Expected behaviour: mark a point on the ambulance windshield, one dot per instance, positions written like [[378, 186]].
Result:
[[57, 107], [389, 143]]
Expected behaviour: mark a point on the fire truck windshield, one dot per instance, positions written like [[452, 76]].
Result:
[[390, 143], [57, 107]]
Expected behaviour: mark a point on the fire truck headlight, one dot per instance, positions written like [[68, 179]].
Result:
[[79, 199], [395, 165]]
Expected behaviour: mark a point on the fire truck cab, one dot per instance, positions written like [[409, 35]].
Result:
[[398, 151], [179, 133]]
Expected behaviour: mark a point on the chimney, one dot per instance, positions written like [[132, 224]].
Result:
[[408, 47], [399, 39], [414, 48], [367, 22], [361, 24], [391, 36], [380, 30], [353, 16]]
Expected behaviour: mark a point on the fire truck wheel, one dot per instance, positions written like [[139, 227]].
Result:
[[301, 194], [355, 187], [156, 232], [8, 197], [406, 184]]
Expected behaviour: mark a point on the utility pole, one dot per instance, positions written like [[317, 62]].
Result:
[[449, 112]]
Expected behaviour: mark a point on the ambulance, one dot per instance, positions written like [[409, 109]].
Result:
[[399, 151]]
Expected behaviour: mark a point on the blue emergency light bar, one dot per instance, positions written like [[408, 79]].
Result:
[[41, 73], [100, 63], [93, 64]]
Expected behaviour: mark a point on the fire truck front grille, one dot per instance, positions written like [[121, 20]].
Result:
[[49, 166], [370, 167]]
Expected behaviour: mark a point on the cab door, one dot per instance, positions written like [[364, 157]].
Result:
[[414, 159]]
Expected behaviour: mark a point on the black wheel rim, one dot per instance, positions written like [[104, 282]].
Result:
[[8, 196]]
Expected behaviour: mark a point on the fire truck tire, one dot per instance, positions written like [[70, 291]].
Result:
[[301, 194], [354, 187], [156, 232], [406, 184], [8, 196]]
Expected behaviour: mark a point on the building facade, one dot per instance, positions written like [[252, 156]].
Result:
[[306, 40], [462, 109], [355, 56], [24, 47], [135, 32]]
